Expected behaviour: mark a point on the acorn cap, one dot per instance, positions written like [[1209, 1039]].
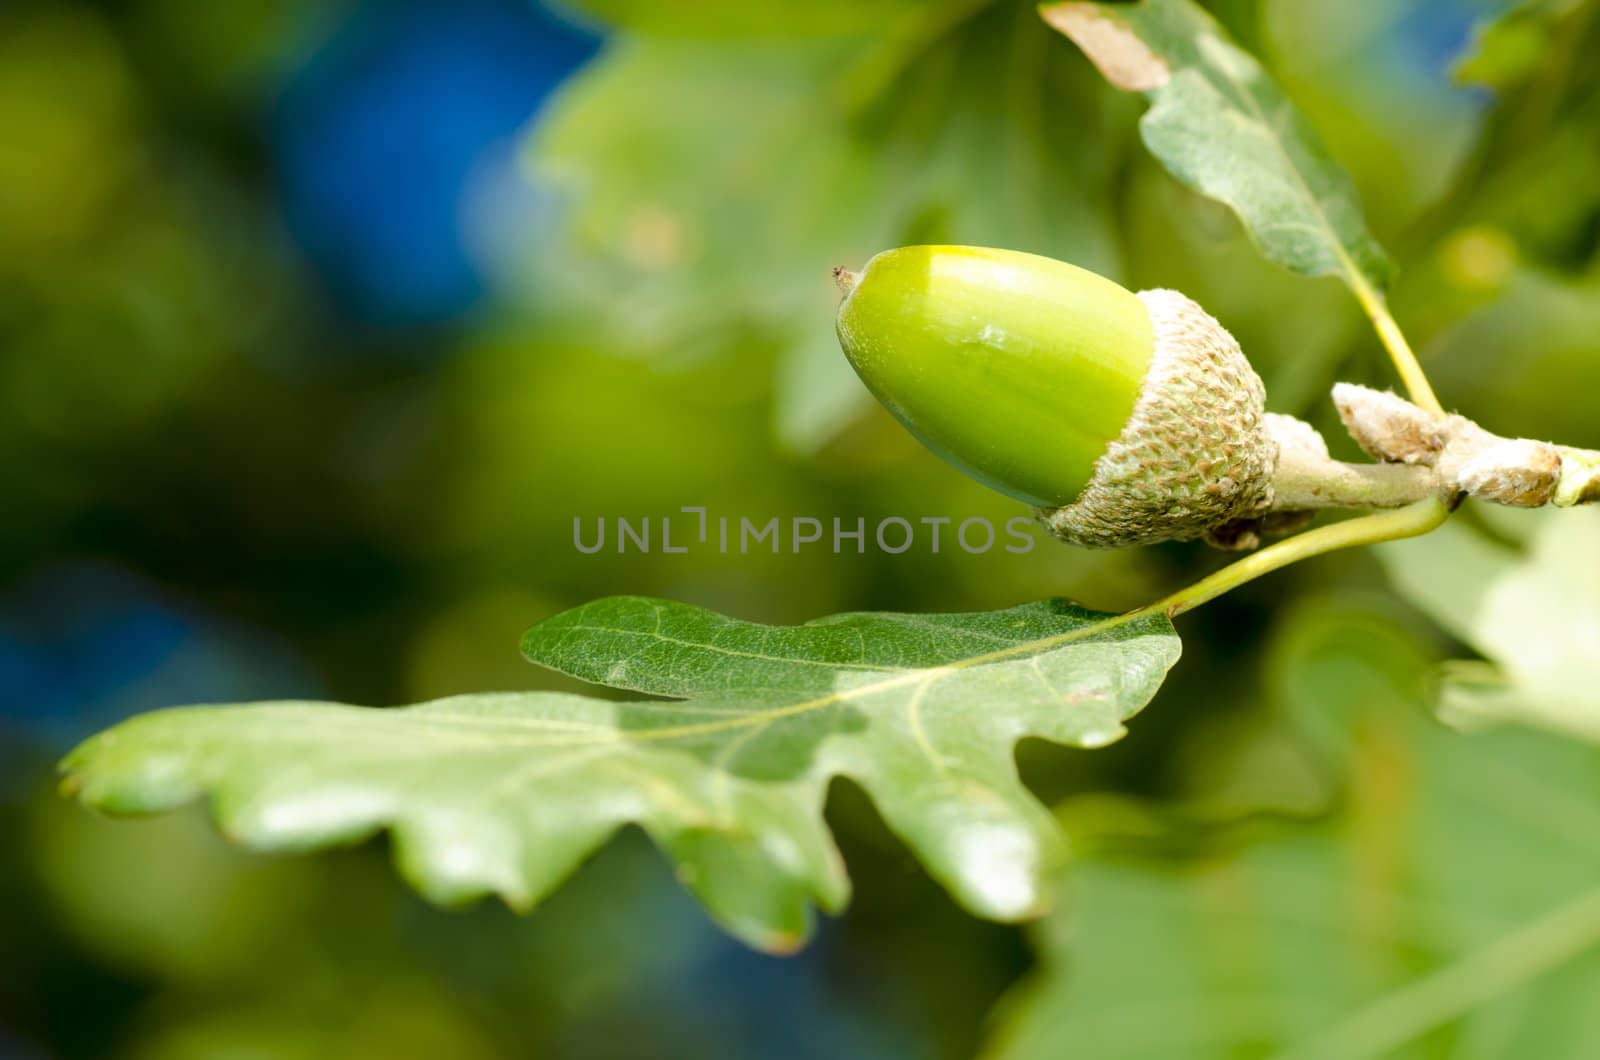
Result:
[[1123, 419], [1195, 455]]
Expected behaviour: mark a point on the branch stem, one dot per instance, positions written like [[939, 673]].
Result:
[[1580, 477], [1304, 483]]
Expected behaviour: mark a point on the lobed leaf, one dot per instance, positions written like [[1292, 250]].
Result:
[[507, 793], [1220, 125]]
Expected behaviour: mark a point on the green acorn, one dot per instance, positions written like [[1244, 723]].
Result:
[[1122, 418]]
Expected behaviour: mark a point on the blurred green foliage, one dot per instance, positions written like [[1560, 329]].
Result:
[[716, 171], [183, 401], [1521, 591], [1443, 905]]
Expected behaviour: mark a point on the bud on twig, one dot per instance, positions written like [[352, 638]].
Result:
[[1518, 472]]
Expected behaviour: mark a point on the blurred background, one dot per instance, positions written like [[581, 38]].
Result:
[[321, 322]]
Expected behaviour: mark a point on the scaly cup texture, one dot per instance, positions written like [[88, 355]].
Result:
[[1123, 419], [1195, 458]]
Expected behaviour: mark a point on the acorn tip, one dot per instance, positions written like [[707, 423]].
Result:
[[844, 279]]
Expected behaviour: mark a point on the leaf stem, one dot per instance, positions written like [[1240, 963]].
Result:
[[1410, 521], [1400, 352]]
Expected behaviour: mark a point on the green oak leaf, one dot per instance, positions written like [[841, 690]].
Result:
[[507, 793], [1448, 907], [1532, 611], [1220, 125]]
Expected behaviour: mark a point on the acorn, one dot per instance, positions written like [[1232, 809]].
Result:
[[1122, 418]]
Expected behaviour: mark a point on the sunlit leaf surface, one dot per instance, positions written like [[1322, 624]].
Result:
[[1220, 125], [507, 793]]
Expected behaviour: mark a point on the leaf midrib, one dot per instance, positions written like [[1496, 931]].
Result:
[[902, 678], [1347, 265]]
